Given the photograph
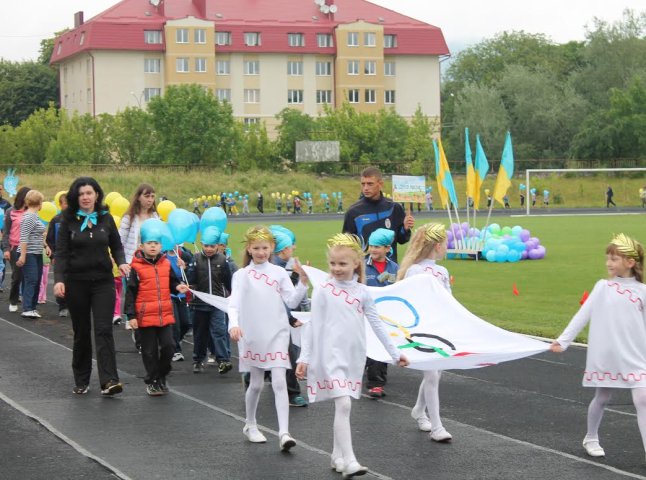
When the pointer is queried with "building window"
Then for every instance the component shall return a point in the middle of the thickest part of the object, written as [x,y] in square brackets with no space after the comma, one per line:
[353,39]
[369,39]
[152,65]
[82,39]
[252,39]
[152,36]
[389,96]
[370,96]
[294,68]
[88,67]
[200,65]
[353,67]
[323,69]
[89,95]
[294,96]
[296,39]
[181,65]
[181,35]
[389,69]
[150,93]
[353,95]
[390,41]
[252,67]
[370,67]
[324,40]
[223,38]
[60,47]
[223,94]
[223,67]
[249,121]
[251,95]
[200,35]
[324,96]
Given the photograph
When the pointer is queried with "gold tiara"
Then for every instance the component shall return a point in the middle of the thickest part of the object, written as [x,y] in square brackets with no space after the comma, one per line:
[434,232]
[627,246]
[346,240]
[258,234]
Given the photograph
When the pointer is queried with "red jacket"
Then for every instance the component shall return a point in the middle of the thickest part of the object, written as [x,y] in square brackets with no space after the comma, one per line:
[148,292]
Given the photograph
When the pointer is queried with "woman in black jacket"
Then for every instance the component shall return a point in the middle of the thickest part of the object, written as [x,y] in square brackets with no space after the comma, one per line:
[87,238]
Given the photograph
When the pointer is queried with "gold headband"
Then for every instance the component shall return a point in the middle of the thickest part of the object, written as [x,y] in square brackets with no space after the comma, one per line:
[346,240]
[258,234]
[434,232]
[627,246]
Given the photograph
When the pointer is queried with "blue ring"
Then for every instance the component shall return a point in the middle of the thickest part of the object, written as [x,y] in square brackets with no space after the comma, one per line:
[407,304]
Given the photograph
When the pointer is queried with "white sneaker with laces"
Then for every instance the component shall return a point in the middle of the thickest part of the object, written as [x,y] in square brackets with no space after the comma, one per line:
[593,448]
[286,442]
[423,422]
[13,308]
[441,435]
[253,434]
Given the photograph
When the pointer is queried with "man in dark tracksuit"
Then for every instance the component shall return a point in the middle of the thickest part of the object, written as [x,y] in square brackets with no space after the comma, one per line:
[375,211]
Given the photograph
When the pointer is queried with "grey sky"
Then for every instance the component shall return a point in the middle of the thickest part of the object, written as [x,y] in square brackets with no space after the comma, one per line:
[24,23]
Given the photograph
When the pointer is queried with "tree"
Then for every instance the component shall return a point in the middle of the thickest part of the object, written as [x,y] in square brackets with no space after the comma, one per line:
[131,136]
[418,149]
[47,47]
[294,126]
[8,147]
[24,88]
[81,140]
[34,135]
[255,149]
[192,126]
[392,132]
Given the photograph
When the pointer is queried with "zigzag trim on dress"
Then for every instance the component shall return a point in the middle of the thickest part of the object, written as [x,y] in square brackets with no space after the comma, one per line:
[614,377]
[334,383]
[348,299]
[434,273]
[637,301]
[259,276]
[270,356]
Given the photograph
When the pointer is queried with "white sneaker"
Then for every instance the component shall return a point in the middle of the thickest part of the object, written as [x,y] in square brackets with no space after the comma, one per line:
[337,464]
[178,357]
[36,314]
[13,308]
[286,442]
[593,448]
[253,434]
[423,422]
[30,314]
[354,469]
[441,435]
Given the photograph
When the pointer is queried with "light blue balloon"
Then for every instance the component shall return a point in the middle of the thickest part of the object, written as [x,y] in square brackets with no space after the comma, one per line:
[152,230]
[168,242]
[513,256]
[515,231]
[210,236]
[214,217]
[180,224]
[501,256]
[491,256]
[1,216]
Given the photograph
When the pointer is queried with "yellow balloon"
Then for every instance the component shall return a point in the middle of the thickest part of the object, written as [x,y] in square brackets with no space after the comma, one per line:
[57,197]
[110,197]
[117,220]
[209,198]
[119,206]
[47,211]
[190,200]
[203,197]
[164,208]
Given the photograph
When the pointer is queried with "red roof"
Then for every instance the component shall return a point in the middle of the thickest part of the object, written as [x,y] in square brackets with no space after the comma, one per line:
[121,26]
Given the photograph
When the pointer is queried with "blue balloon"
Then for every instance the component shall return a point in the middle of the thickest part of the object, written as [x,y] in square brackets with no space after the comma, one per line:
[1,216]
[168,241]
[491,256]
[211,236]
[214,217]
[180,224]
[154,230]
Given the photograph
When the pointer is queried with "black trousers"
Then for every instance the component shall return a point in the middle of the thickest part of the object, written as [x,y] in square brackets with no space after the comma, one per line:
[157,349]
[293,387]
[16,276]
[89,301]
[376,373]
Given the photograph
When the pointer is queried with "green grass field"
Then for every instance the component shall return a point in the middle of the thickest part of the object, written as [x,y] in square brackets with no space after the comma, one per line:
[550,289]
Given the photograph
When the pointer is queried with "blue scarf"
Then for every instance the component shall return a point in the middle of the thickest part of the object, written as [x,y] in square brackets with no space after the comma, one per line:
[89,217]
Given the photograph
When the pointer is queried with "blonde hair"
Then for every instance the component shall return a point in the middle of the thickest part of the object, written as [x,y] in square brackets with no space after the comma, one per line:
[352,243]
[34,198]
[424,240]
[259,233]
[627,247]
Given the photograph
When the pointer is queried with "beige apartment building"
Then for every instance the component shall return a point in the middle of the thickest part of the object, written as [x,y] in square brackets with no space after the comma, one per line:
[259,55]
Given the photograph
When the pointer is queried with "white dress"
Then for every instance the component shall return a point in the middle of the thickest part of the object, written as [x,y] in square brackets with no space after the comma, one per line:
[429,267]
[334,341]
[259,293]
[617,338]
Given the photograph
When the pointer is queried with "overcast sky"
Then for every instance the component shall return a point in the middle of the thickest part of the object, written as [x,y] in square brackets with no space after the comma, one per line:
[24,23]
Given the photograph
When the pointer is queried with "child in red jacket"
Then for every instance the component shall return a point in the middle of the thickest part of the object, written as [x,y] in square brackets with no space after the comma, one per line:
[149,306]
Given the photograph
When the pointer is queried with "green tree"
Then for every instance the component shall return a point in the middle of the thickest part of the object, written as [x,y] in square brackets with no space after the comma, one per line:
[295,126]
[34,135]
[392,132]
[8,147]
[192,126]
[418,149]
[255,149]
[81,140]
[24,88]
[356,132]
[132,136]
[47,47]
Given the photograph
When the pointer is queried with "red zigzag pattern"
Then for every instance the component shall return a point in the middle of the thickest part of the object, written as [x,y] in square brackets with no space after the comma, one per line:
[271,356]
[435,274]
[348,299]
[259,276]
[637,301]
[334,383]
[608,376]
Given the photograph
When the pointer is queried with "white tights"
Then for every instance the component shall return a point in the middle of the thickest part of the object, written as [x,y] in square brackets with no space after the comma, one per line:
[599,402]
[428,398]
[342,437]
[279,385]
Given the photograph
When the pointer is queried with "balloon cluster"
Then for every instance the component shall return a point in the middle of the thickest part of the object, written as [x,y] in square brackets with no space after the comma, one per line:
[511,244]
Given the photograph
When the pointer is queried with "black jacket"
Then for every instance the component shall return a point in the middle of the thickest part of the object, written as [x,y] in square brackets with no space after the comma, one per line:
[209,275]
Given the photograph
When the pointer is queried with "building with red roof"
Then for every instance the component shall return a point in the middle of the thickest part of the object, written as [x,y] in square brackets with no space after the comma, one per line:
[260,55]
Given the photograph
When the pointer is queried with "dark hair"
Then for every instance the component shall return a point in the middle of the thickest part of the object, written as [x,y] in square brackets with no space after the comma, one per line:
[372,172]
[73,197]
[135,207]
[19,201]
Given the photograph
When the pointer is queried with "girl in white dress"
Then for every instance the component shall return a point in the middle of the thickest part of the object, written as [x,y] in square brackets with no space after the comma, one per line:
[616,355]
[333,350]
[427,246]
[258,321]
